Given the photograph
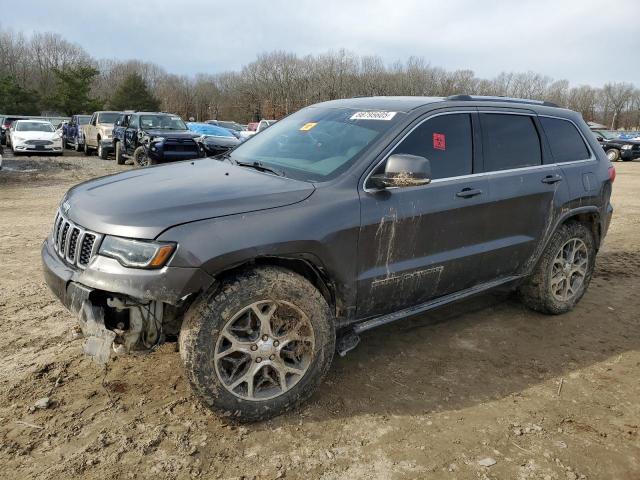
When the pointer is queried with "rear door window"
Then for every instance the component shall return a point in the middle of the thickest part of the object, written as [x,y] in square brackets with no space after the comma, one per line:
[567,145]
[446,141]
[509,141]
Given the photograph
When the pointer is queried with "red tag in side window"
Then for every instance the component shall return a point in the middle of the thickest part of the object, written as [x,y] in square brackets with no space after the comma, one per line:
[439,141]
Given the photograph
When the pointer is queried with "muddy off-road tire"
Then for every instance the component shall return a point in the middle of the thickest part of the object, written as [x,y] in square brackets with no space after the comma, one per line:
[563,272]
[259,345]
[119,156]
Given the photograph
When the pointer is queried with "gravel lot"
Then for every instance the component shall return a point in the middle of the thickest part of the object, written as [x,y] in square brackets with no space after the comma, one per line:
[430,397]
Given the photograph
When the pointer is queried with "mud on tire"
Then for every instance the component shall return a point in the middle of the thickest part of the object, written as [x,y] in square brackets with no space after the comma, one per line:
[540,292]
[295,310]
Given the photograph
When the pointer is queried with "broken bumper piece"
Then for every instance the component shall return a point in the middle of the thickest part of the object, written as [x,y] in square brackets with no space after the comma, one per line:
[98,338]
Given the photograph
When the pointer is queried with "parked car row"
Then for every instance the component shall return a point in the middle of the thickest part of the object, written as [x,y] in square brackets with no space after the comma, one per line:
[150,138]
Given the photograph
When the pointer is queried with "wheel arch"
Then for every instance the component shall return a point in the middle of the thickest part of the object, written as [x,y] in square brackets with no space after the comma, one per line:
[304,265]
[588,216]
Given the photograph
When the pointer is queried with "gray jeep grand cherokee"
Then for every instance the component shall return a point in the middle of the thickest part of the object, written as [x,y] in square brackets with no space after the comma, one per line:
[346,215]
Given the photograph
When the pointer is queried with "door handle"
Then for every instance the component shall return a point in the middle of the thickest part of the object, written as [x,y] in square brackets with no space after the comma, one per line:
[468,192]
[552,179]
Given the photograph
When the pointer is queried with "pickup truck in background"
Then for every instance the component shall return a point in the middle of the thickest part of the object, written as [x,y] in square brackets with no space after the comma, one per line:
[72,133]
[98,133]
[150,138]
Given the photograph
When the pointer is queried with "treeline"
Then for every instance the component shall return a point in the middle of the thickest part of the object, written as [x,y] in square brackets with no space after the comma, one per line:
[45,73]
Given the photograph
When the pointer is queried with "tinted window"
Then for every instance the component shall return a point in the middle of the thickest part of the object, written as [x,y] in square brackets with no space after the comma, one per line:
[446,141]
[565,141]
[509,141]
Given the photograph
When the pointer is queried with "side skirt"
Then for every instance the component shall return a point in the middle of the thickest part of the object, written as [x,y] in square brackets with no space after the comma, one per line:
[431,305]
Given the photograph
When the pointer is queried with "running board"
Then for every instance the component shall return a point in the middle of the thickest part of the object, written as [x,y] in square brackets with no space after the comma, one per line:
[425,307]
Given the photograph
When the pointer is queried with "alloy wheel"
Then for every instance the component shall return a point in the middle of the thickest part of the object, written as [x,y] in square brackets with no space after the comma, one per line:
[569,269]
[264,350]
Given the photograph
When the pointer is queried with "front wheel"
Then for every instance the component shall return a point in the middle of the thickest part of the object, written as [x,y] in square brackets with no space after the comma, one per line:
[613,155]
[563,272]
[87,151]
[259,345]
[141,158]
[102,153]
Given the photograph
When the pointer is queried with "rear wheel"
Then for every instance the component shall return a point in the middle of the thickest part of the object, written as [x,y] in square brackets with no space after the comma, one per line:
[259,345]
[563,272]
[613,154]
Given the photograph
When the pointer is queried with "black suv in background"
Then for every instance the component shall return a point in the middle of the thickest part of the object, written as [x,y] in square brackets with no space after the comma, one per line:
[617,148]
[150,138]
[341,217]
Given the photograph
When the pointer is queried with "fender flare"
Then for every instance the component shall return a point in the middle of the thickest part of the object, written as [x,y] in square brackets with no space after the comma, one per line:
[566,215]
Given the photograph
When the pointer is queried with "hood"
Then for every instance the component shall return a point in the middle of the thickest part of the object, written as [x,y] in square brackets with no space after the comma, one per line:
[170,133]
[144,202]
[30,135]
[221,141]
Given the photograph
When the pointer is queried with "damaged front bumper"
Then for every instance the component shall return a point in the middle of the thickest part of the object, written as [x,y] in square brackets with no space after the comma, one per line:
[72,285]
[104,290]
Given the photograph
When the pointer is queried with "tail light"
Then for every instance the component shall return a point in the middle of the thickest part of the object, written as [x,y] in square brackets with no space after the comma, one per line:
[612,173]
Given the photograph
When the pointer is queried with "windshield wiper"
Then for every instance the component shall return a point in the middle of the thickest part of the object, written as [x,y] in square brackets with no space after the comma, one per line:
[260,167]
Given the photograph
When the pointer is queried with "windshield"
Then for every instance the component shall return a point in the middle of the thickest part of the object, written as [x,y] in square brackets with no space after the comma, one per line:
[84,119]
[607,135]
[231,125]
[162,122]
[316,143]
[23,126]
[108,117]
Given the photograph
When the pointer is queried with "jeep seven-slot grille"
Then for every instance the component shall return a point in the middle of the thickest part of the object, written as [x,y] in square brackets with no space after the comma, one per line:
[73,243]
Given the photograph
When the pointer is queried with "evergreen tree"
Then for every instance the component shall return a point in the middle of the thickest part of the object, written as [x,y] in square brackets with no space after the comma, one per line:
[133,94]
[16,100]
[72,93]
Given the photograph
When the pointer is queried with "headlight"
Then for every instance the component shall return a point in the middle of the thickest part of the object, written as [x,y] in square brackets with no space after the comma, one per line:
[16,138]
[137,253]
[627,147]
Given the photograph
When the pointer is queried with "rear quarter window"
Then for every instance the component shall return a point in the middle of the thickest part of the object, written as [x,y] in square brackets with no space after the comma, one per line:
[509,141]
[567,145]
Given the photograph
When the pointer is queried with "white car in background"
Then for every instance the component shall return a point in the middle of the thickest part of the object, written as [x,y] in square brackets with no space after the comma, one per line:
[35,136]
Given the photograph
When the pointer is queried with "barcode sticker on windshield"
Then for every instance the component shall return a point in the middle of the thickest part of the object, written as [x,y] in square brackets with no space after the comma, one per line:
[373,115]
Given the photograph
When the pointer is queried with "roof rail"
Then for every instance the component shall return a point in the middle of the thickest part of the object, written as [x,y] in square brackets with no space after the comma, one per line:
[469,98]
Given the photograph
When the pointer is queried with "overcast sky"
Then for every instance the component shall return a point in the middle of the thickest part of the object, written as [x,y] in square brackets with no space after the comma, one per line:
[583,41]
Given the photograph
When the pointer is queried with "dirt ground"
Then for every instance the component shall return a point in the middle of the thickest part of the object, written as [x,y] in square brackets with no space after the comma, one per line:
[430,397]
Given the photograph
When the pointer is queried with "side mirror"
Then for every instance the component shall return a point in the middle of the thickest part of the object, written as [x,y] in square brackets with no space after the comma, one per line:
[403,170]
[599,138]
